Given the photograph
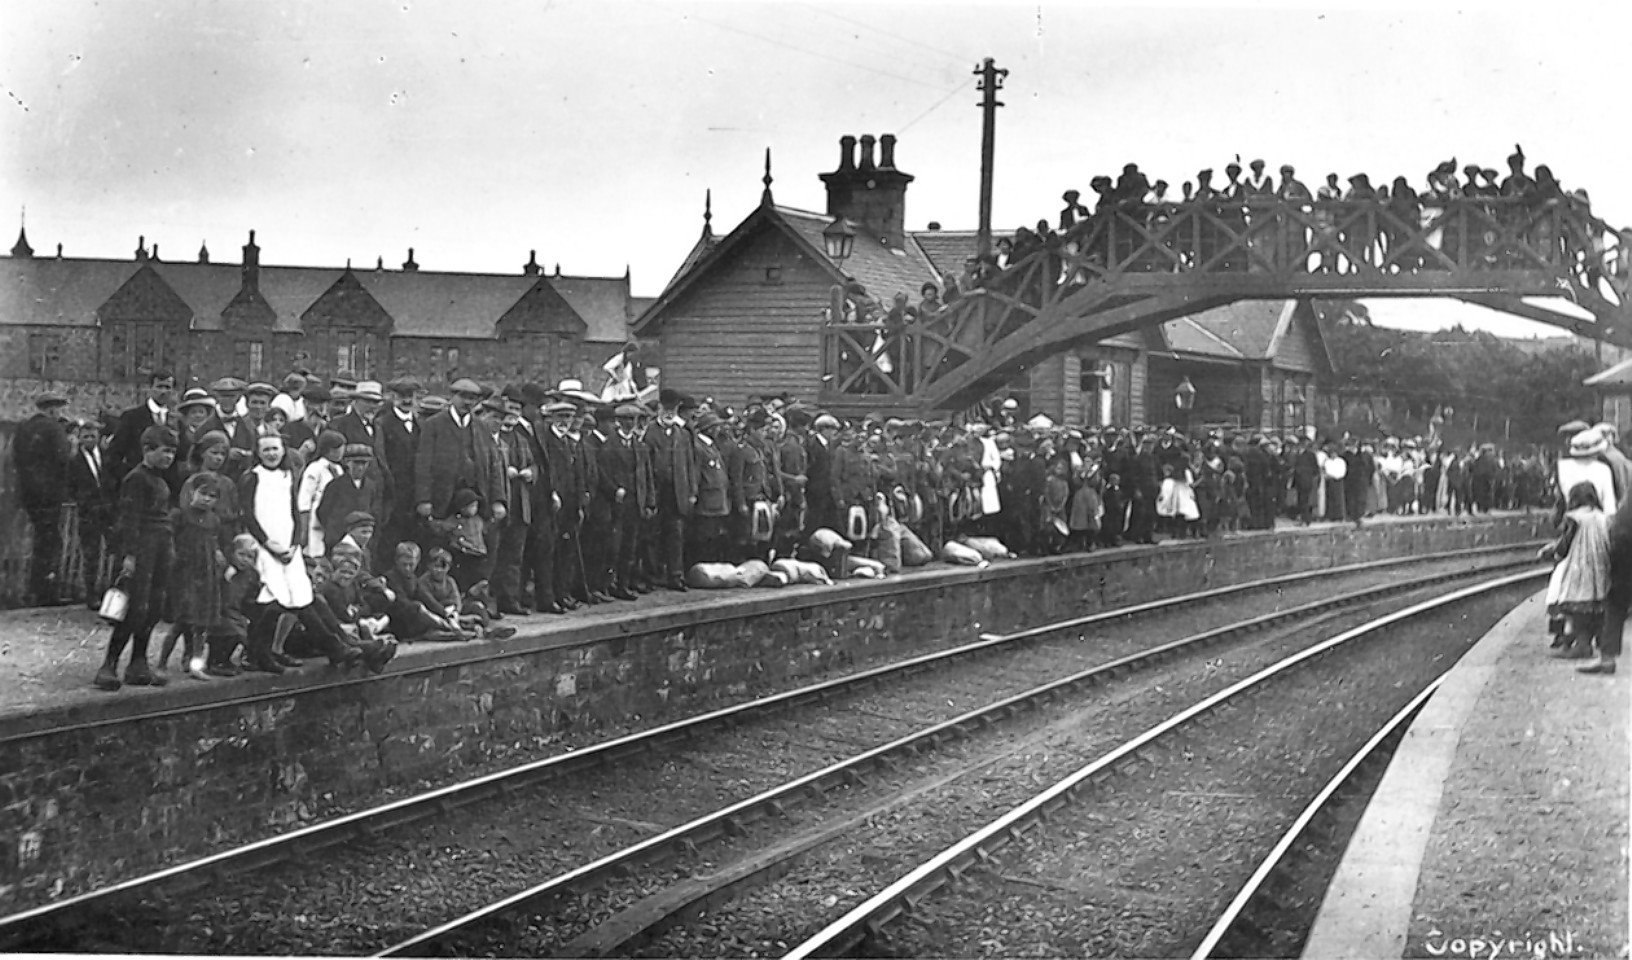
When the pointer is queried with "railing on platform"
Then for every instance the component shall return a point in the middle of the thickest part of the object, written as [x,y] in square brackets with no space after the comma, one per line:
[1214,251]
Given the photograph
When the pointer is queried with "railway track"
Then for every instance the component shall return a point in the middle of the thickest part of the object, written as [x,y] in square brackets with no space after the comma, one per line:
[1095,862]
[182,894]
[1272,913]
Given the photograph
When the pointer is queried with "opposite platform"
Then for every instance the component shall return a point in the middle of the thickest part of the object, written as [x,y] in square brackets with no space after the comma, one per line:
[1500,828]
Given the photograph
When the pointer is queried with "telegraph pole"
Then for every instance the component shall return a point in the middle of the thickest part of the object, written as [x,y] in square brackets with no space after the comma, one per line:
[991,81]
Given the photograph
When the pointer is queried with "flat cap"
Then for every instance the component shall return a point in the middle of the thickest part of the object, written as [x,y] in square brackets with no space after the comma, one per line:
[228,385]
[369,390]
[260,389]
[627,411]
[357,451]
[46,401]
[359,518]
[468,387]
[405,386]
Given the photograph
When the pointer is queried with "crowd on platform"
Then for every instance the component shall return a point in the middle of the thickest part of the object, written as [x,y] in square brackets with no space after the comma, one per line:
[339,520]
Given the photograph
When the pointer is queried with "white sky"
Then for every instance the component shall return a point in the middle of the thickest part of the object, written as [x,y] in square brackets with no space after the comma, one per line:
[589,130]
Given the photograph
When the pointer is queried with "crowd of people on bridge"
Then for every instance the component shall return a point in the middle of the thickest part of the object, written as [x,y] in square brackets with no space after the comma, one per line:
[1408,233]
[270,526]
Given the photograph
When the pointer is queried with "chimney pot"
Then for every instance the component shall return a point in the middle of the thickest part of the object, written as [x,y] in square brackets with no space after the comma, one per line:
[59,251]
[886,152]
[866,162]
[141,247]
[847,153]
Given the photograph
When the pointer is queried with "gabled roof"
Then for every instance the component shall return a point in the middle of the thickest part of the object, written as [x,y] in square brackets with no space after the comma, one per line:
[41,292]
[882,269]
[1244,330]
[445,304]
[604,303]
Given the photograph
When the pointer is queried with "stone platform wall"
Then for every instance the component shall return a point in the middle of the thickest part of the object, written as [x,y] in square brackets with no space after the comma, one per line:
[89,796]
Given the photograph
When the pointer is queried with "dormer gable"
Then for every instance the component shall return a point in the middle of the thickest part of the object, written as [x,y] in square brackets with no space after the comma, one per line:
[145,297]
[541,311]
[347,303]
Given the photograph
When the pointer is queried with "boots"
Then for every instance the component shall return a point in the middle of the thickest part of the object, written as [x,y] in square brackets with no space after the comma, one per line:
[107,678]
[138,674]
[1604,665]
[1573,648]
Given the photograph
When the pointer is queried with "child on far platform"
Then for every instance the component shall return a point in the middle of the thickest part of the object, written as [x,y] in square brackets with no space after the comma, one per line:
[1580,580]
[143,534]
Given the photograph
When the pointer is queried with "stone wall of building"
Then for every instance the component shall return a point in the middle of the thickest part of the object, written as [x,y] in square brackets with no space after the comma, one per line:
[89,796]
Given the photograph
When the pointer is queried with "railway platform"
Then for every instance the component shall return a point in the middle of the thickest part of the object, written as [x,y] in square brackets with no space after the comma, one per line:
[97,787]
[1500,827]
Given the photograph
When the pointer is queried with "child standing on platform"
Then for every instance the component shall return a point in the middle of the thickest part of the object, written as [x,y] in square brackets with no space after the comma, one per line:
[1580,581]
[201,545]
[143,538]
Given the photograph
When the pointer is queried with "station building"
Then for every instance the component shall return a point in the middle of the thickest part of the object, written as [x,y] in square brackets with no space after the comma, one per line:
[94,328]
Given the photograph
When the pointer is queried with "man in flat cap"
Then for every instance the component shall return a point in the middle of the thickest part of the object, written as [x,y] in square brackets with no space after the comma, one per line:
[672,450]
[291,397]
[240,432]
[41,453]
[455,454]
[358,490]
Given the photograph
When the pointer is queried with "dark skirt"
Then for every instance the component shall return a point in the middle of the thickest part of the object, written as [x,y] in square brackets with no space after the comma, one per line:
[195,583]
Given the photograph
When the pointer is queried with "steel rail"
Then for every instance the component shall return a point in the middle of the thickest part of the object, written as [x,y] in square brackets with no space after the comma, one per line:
[979,847]
[1277,855]
[371,822]
[776,800]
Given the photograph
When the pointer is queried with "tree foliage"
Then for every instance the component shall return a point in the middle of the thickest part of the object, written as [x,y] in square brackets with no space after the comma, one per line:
[1482,386]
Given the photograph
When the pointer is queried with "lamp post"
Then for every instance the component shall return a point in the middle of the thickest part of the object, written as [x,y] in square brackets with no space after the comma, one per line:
[1184,398]
[838,241]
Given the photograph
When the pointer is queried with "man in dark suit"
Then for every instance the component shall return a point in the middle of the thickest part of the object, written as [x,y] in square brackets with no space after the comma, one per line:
[457,454]
[92,488]
[599,544]
[398,442]
[570,481]
[509,539]
[538,559]
[1306,478]
[671,448]
[821,489]
[41,453]
[125,450]
[626,485]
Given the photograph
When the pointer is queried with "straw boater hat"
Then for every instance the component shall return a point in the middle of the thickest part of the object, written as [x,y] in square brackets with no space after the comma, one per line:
[1588,443]
[573,389]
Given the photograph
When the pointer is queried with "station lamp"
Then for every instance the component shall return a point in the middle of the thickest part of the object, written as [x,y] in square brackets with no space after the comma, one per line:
[839,238]
[1184,395]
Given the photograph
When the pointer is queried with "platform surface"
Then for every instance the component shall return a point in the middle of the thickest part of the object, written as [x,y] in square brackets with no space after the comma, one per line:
[1500,828]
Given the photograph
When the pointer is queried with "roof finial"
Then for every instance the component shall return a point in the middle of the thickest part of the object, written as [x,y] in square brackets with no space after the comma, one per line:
[708,214]
[765,198]
[21,247]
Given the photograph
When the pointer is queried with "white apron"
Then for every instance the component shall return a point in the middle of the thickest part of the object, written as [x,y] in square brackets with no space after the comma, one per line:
[285,584]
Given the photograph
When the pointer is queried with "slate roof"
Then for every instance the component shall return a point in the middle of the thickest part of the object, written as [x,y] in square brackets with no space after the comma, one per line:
[883,270]
[946,250]
[1244,330]
[67,292]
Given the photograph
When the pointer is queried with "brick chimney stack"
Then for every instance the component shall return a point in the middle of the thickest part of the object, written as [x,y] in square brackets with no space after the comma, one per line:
[870,194]
[252,265]
[408,265]
[530,268]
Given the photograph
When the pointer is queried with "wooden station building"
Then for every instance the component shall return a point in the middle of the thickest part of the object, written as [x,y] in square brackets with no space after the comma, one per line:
[744,315]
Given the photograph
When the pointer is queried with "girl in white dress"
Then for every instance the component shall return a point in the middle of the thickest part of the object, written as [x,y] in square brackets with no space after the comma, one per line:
[268,499]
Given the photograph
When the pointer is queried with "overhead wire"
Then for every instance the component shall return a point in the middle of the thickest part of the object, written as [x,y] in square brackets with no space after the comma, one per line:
[813,53]
[958,57]
[964,85]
